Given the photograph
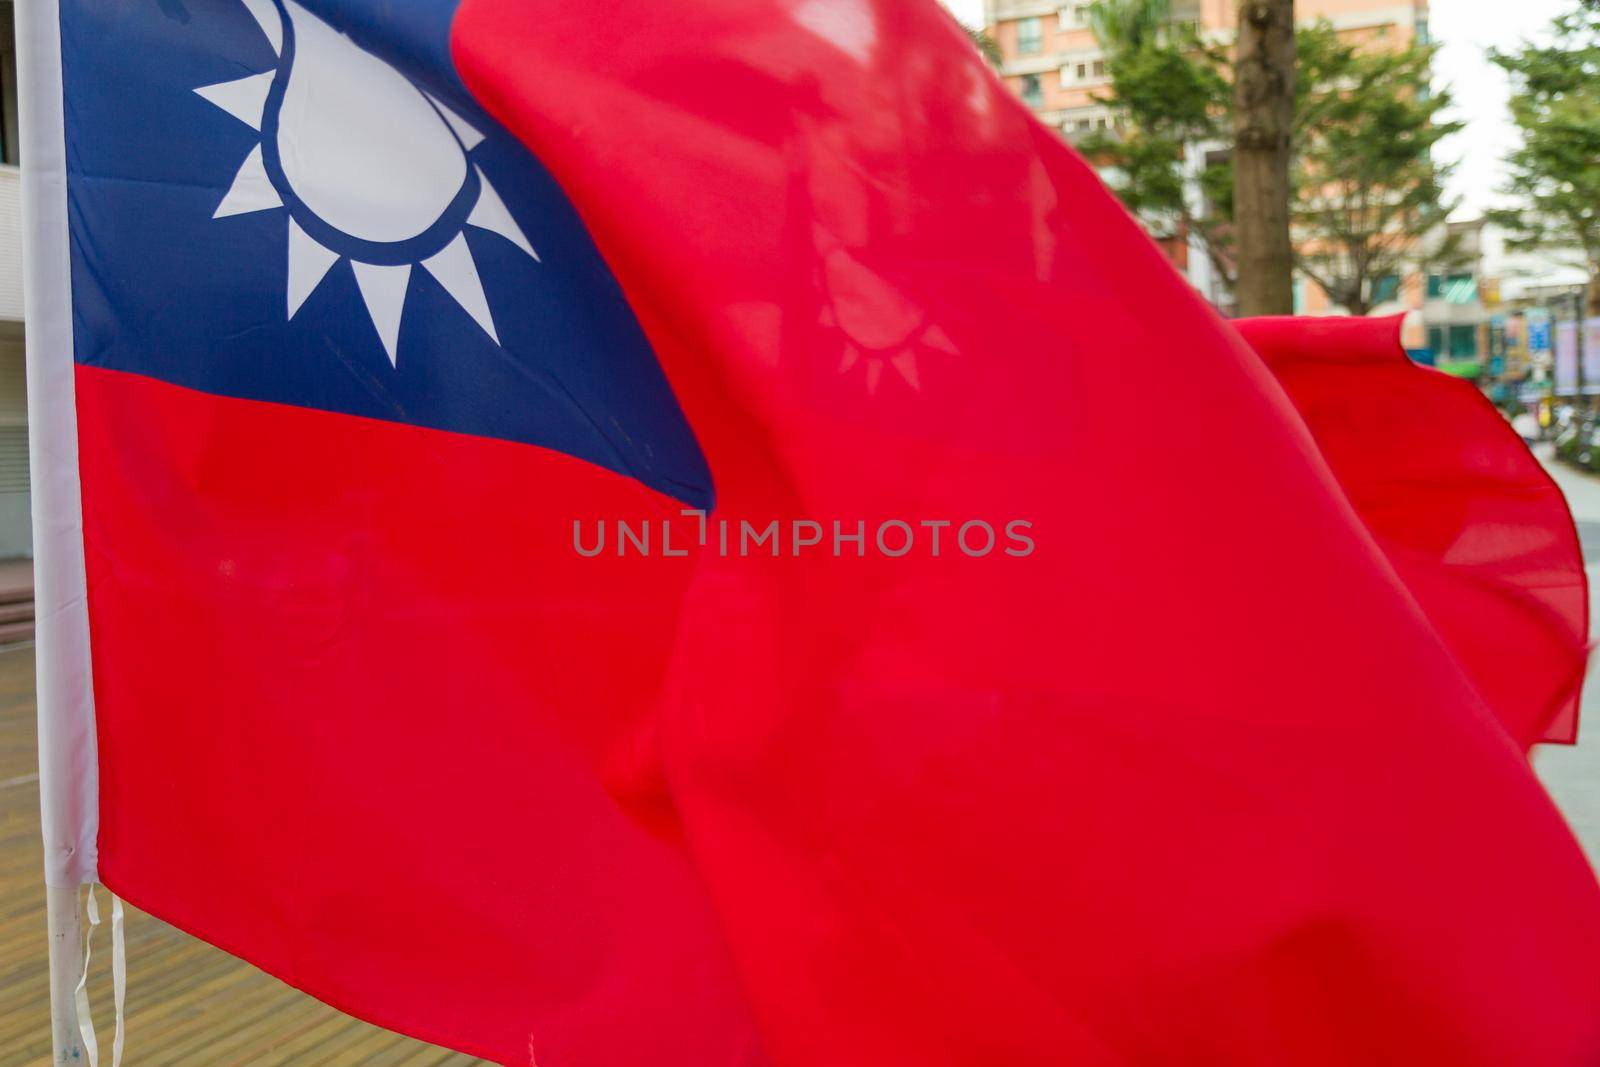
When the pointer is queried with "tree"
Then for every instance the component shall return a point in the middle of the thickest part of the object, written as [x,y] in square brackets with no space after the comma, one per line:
[1555,171]
[1367,190]
[1263,122]
[1170,95]
[1126,25]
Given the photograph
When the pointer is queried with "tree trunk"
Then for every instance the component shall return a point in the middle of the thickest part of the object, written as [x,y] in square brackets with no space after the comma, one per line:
[1263,96]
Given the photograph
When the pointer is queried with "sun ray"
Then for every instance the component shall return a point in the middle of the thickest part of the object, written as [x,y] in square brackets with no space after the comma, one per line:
[251,189]
[936,338]
[874,373]
[265,13]
[905,364]
[309,263]
[244,98]
[470,136]
[490,213]
[383,290]
[456,271]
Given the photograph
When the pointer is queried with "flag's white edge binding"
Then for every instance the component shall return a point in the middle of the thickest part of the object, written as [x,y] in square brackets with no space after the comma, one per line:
[69,769]
[68,760]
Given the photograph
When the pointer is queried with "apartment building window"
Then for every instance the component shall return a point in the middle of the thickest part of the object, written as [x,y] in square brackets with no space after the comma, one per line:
[1454,288]
[8,85]
[1385,289]
[1075,17]
[1032,90]
[1436,341]
[1463,341]
[1030,37]
[1087,69]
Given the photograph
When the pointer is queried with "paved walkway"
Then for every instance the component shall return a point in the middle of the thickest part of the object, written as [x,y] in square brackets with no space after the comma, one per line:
[188,1003]
[1573,774]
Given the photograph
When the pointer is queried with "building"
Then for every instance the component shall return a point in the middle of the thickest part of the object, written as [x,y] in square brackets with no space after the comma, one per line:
[1455,317]
[16,534]
[1527,295]
[1053,62]
[1051,59]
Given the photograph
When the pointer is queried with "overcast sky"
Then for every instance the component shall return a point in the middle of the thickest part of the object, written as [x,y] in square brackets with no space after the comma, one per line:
[1464,30]
[968,11]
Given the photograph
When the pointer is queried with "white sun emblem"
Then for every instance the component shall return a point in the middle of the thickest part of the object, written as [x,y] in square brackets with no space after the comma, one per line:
[370,168]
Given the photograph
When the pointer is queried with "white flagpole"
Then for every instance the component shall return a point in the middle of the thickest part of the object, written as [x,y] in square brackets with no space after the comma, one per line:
[68,760]
[66,958]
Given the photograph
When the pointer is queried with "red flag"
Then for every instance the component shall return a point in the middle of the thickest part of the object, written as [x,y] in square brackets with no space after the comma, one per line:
[1155,758]
[1473,525]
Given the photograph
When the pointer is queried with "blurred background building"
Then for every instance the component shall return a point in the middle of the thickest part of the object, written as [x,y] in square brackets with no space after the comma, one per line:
[1473,308]
[1052,60]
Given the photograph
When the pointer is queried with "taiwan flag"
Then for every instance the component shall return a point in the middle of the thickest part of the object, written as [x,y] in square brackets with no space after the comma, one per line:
[655,532]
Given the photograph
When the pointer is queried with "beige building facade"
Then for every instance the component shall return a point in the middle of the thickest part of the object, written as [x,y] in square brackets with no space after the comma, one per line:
[1053,62]
[1051,59]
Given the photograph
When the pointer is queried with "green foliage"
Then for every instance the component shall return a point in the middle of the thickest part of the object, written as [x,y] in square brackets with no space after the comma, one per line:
[1366,122]
[1555,171]
[1169,93]
[1122,25]
[1367,188]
